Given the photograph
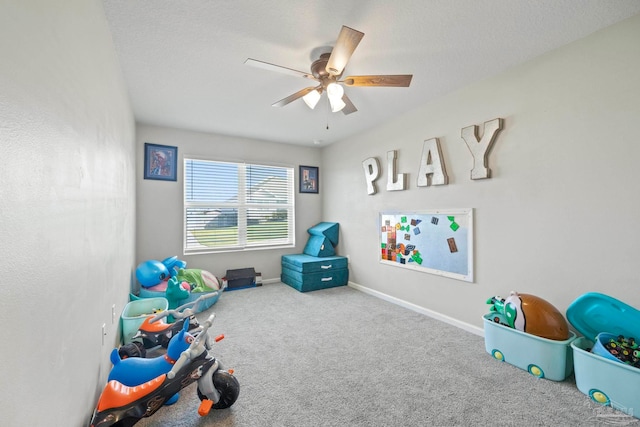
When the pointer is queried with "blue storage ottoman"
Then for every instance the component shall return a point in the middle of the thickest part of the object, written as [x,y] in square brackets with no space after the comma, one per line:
[308,273]
[330,230]
[323,238]
[319,246]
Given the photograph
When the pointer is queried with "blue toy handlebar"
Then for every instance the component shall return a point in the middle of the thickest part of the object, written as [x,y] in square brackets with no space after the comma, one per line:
[196,348]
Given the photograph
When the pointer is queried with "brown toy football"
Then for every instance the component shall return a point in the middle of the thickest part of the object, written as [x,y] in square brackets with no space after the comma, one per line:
[535,316]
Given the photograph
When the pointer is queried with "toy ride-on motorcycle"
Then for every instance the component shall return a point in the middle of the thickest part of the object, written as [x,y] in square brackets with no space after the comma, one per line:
[124,405]
[153,333]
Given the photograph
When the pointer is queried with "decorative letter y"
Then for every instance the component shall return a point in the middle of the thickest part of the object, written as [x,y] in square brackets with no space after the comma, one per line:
[480,149]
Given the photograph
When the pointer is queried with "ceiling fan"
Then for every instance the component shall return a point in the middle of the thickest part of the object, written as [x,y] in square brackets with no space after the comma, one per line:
[327,71]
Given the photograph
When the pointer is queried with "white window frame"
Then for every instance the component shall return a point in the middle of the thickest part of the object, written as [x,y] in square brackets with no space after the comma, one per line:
[242,205]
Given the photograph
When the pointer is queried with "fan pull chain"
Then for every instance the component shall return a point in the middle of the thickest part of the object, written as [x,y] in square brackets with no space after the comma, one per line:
[328,112]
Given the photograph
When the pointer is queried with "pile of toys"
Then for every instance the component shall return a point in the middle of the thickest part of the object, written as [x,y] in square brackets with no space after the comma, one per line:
[530,314]
[624,349]
[531,334]
[139,385]
[172,280]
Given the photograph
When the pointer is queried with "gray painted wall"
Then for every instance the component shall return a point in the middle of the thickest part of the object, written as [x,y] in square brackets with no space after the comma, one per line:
[67,198]
[159,205]
[558,218]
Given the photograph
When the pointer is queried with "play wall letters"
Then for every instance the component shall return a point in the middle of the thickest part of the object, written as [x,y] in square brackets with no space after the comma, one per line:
[432,168]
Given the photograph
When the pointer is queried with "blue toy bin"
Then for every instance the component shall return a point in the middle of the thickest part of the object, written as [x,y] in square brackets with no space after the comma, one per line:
[599,374]
[136,311]
[599,346]
[541,357]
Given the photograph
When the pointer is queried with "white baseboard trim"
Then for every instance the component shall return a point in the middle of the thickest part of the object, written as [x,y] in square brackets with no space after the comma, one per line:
[265,281]
[438,316]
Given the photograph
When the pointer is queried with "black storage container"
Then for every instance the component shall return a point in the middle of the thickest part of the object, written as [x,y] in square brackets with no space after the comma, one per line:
[241,278]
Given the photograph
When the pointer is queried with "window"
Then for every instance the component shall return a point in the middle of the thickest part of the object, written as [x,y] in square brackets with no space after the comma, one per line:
[237,206]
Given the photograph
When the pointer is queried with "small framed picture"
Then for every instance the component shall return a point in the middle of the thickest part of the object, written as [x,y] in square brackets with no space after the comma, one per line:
[160,162]
[309,179]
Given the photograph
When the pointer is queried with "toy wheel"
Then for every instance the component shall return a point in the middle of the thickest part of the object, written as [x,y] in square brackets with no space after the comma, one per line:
[536,371]
[497,354]
[228,387]
[133,349]
[599,397]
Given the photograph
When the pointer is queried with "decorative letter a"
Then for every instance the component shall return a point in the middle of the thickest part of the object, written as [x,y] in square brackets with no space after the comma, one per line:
[432,171]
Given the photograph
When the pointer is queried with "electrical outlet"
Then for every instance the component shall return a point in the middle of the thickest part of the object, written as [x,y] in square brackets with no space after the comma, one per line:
[348,259]
[104,332]
[113,314]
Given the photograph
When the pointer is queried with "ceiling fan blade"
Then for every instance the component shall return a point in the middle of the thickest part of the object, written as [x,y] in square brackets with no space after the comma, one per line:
[349,107]
[291,98]
[399,80]
[347,42]
[278,68]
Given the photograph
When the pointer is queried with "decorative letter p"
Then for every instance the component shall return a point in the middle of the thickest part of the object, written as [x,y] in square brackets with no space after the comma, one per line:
[371,173]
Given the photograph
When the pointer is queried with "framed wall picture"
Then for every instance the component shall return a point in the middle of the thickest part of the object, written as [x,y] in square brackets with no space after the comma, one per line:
[160,162]
[309,179]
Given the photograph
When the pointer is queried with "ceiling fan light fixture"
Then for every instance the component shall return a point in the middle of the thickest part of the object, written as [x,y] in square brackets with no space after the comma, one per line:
[312,98]
[336,104]
[335,93]
[327,71]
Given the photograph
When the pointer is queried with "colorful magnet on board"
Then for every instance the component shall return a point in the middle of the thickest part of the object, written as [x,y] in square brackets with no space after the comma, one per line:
[452,244]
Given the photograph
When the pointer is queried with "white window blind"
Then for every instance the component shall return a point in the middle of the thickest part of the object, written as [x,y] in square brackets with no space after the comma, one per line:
[237,206]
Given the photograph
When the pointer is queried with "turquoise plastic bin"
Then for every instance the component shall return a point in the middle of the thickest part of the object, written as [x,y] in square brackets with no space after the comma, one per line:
[606,381]
[135,312]
[603,378]
[541,357]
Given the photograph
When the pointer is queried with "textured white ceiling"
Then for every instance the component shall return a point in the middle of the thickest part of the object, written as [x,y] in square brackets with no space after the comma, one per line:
[183,60]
